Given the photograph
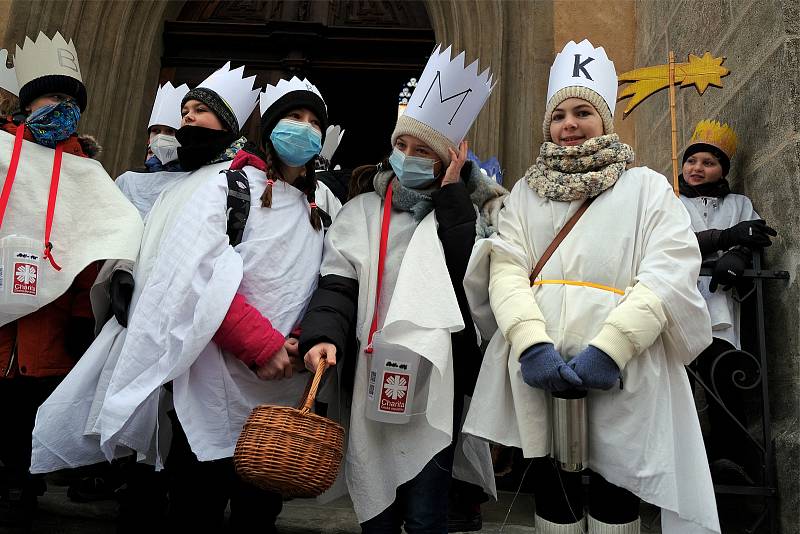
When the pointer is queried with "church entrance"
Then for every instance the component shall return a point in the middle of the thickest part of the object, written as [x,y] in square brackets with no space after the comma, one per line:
[359,55]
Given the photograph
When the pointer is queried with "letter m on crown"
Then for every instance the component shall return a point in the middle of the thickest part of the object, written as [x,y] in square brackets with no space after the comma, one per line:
[442,99]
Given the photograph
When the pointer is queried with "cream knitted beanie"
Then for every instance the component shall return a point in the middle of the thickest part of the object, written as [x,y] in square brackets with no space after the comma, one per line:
[583,93]
[438,142]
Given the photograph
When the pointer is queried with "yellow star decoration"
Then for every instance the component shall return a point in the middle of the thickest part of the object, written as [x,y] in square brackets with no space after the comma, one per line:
[699,71]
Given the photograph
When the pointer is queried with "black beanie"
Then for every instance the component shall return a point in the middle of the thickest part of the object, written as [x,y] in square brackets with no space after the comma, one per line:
[288,102]
[52,83]
[217,104]
[723,158]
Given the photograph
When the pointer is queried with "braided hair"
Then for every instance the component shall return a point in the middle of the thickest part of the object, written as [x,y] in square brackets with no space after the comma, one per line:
[306,182]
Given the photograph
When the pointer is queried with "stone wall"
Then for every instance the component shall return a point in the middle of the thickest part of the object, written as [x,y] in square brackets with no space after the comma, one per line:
[514,38]
[607,23]
[760,100]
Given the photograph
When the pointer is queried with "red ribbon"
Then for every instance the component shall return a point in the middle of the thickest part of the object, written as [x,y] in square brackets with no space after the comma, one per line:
[12,171]
[387,219]
[51,200]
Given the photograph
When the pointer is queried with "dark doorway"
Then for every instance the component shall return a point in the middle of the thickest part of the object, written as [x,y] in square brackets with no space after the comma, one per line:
[358,53]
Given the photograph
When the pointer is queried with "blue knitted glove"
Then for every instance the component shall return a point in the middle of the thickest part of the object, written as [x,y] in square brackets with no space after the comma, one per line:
[595,368]
[542,367]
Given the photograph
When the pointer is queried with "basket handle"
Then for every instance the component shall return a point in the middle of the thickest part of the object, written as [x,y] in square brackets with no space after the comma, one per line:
[314,385]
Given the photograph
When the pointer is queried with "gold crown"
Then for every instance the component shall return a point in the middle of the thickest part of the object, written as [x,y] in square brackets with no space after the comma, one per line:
[713,133]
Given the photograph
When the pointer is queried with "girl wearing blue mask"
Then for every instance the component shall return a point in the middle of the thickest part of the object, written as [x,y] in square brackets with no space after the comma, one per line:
[243,277]
[394,261]
[293,128]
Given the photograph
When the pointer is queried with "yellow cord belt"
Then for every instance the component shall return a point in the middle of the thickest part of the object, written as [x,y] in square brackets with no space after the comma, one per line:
[584,284]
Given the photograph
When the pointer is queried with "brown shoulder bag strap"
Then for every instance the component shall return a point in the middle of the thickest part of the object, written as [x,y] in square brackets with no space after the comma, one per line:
[559,238]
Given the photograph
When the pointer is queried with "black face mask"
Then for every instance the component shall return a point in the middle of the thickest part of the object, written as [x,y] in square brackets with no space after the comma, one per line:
[200,146]
[718,189]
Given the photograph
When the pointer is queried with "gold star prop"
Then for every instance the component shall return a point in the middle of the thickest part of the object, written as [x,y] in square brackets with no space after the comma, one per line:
[698,71]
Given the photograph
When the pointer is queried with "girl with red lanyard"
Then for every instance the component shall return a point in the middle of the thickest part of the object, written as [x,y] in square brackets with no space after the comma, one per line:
[391,286]
[66,205]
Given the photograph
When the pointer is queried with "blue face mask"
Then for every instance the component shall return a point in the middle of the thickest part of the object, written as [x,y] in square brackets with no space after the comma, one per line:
[54,122]
[412,171]
[295,142]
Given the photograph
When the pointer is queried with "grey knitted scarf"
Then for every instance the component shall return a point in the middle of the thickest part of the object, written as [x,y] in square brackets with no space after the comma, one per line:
[569,173]
[486,195]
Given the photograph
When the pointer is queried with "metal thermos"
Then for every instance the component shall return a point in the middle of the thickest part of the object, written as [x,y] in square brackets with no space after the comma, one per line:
[570,430]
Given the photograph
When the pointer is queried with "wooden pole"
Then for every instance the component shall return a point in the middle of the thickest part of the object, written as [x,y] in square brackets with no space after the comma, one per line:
[674,123]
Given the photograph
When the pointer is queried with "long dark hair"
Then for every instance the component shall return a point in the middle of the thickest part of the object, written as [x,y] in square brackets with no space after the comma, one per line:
[361,181]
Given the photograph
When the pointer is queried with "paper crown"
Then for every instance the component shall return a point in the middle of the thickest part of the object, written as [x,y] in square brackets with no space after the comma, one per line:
[583,65]
[8,78]
[448,96]
[46,57]
[167,106]
[333,137]
[235,90]
[713,133]
[272,93]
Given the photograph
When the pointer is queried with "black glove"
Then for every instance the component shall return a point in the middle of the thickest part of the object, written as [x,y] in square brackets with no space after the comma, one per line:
[728,269]
[755,234]
[121,292]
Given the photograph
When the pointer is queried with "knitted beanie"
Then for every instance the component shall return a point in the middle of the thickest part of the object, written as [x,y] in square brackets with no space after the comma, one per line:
[217,104]
[723,158]
[286,103]
[52,83]
[583,93]
[438,142]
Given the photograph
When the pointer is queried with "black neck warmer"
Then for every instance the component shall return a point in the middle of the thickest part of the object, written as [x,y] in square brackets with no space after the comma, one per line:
[718,189]
[200,145]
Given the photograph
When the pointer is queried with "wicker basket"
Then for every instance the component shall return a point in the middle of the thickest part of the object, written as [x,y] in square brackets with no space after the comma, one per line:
[290,451]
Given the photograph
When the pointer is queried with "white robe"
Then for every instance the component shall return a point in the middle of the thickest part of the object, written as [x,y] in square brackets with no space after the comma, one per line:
[143,188]
[186,278]
[92,220]
[720,213]
[326,200]
[418,311]
[645,438]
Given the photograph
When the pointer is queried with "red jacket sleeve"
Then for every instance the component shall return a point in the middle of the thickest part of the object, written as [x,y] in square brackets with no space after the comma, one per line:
[81,305]
[247,334]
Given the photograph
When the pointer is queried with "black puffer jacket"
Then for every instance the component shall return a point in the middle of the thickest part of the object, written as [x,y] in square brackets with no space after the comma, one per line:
[332,311]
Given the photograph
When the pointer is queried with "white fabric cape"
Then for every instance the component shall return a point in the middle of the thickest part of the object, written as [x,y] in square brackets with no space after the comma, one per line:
[720,213]
[418,311]
[186,277]
[92,220]
[645,438]
[143,188]
[326,200]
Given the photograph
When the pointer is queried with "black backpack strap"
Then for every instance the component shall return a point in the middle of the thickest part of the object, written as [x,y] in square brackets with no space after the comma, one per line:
[238,204]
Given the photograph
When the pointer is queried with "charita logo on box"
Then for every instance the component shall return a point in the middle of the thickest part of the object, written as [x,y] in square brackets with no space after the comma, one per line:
[394,392]
[25,278]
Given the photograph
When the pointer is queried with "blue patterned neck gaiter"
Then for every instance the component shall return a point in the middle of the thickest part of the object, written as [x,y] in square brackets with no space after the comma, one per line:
[53,123]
